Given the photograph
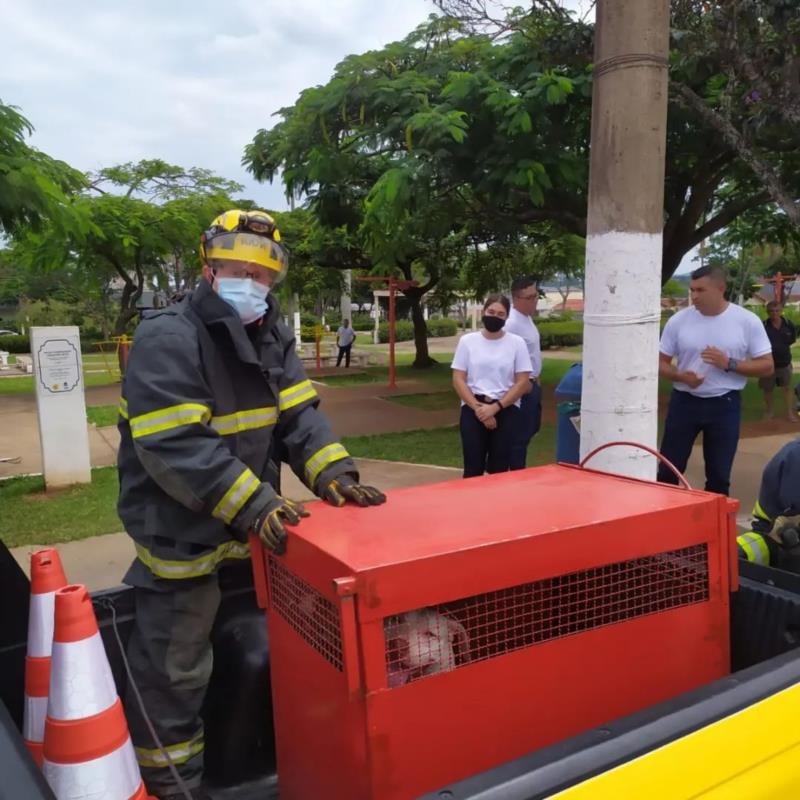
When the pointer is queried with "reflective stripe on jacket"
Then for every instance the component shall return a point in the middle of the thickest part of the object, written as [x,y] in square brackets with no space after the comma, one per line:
[209,411]
[754,547]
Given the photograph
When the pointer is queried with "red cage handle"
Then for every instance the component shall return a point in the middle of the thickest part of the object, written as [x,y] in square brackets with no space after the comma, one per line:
[678,474]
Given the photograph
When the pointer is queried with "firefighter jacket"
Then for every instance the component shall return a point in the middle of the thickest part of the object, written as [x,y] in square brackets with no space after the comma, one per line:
[209,410]
[778,501]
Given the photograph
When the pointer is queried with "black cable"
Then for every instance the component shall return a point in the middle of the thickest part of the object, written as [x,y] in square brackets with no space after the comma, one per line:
[107,603]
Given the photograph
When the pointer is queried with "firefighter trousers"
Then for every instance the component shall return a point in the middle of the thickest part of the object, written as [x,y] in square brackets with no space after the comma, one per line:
[171,657]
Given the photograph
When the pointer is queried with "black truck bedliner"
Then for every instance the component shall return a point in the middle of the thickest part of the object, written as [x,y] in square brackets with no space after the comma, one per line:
[240,746]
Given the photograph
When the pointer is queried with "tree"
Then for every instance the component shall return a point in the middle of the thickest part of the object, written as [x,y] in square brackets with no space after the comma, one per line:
[709,181]
[34,188]
[382,154]
[749,56]
[144,226]
[673,288]
[315,286]
[753,247]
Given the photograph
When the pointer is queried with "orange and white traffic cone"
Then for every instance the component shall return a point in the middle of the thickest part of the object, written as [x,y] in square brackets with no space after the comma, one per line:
[88,753]
[47,575]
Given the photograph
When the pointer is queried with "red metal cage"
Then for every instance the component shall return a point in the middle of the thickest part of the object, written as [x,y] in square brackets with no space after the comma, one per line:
[467,623]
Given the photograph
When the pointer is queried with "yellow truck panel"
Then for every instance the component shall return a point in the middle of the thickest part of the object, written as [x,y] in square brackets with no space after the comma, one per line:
[753,754]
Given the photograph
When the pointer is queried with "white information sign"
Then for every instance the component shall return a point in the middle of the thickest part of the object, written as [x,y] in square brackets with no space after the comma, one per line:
[61,405]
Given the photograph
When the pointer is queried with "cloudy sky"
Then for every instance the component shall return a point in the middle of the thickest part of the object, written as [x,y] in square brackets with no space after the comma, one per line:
[187,81]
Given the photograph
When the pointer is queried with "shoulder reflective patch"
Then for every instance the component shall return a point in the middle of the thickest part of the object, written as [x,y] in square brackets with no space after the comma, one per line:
[759,512]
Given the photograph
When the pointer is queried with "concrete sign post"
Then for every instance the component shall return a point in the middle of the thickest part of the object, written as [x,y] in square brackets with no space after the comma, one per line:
[61,406]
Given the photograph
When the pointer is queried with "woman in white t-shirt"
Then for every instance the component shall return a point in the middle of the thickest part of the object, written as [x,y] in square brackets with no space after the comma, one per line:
[491,371]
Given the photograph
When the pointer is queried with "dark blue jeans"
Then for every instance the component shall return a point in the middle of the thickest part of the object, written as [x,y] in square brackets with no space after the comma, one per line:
[485,450]
[344,351]
[530,420]
[717,418]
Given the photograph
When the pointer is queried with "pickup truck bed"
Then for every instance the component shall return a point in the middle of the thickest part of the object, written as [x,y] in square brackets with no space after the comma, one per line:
[240,748]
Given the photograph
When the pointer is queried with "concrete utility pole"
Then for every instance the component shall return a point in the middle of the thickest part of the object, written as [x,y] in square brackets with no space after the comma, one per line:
[624,231]
[347,292]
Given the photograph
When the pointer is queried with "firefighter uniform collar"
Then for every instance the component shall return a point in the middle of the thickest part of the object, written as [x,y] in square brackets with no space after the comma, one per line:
[216,313]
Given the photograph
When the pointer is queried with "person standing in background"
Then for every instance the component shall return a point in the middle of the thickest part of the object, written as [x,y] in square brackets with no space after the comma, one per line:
[491,371]
[524,296]
[782,335]
[718,346]
[345,337]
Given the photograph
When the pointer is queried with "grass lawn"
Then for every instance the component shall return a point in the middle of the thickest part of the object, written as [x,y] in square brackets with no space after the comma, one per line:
[102,416]
[440,446]
[32,516]
[24,384]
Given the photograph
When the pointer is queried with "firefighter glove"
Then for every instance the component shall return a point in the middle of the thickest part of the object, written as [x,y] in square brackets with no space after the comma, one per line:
[269,524]
[344,488]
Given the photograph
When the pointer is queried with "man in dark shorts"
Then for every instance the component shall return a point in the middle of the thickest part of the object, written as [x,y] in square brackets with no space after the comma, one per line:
[782,334]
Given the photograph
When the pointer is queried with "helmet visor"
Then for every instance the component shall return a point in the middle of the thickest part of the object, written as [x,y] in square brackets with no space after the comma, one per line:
[252,248]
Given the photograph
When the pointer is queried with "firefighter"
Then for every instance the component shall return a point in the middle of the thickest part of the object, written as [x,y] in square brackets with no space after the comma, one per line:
[214,398]
[774,539]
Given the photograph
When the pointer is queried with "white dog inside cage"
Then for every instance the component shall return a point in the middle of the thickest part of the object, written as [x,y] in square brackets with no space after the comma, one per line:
[422,643]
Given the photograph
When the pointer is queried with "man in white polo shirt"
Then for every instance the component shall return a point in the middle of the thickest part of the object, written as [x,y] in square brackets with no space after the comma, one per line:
[345,337]
[718,346]
[524,296]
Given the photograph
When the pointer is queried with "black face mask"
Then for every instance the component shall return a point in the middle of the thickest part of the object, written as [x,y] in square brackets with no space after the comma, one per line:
[492,324]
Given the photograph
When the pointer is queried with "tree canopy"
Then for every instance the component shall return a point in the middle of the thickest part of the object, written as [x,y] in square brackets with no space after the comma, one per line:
[144,226]
[472,130]
[33,186]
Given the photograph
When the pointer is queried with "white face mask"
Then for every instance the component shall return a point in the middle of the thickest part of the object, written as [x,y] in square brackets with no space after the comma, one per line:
[247,296]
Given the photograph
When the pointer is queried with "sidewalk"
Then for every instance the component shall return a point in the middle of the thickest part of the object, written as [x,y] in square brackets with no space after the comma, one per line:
[751,457]
[101,561]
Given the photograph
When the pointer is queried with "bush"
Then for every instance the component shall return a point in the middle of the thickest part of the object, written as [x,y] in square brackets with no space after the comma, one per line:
[15,344]
[361,324]
[22,344]
[560,334]
[442,327]
[561,316]
[404,331]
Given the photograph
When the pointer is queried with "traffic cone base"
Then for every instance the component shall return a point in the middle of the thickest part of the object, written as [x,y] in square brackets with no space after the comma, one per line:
[47,576]
[88,754]
[114,776]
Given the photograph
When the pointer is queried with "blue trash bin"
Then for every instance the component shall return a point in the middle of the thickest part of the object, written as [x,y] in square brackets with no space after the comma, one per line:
[568,405]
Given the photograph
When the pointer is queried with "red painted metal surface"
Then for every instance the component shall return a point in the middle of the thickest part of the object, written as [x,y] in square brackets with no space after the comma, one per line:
[467,623]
